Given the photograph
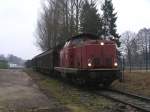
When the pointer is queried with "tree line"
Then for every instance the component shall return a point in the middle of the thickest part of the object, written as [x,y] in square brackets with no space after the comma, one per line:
[136,48]
[12,59]
[61,19]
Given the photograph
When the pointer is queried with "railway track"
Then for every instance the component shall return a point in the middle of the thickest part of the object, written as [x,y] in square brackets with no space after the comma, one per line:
[136,101]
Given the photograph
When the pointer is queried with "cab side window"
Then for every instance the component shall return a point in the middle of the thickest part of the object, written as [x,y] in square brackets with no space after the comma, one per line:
[77,42]
[67,44]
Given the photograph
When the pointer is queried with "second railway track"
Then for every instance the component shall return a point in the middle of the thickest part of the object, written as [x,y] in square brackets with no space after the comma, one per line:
[136,101]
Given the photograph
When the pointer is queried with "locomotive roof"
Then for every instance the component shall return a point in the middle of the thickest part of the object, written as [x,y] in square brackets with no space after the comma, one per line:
[83,35]
[80,36]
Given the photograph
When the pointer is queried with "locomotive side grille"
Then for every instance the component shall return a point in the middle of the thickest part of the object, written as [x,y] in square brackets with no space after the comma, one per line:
[96,61]
[108,61]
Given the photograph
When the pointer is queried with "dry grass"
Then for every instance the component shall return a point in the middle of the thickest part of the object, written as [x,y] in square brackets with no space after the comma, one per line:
[73,98]
[136,81]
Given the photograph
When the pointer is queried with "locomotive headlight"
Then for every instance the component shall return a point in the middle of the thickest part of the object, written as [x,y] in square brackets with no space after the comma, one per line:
[115,64]
[102,43]
[89,64]
[113,37]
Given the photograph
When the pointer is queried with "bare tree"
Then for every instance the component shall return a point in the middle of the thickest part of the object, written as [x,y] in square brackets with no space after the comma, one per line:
[127,37]
[53,24]
[137,48]
[58,21]
[143,41]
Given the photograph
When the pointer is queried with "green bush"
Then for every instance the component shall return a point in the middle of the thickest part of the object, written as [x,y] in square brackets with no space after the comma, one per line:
[3,64]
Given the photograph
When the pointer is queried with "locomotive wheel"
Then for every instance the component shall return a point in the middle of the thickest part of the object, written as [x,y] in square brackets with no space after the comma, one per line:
[69,78]
[78,81]
[92,84]
[106,84]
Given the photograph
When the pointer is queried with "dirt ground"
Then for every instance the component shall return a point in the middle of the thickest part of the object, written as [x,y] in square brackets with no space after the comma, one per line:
[18,93]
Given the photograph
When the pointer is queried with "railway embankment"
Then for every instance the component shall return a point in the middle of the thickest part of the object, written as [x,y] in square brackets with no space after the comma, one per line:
[137,82]
[76,99]
[69,96]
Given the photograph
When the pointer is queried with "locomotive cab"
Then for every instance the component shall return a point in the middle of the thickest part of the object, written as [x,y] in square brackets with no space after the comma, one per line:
[90,59]
[89,53]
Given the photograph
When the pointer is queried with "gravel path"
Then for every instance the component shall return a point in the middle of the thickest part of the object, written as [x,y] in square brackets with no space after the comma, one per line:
[18,93]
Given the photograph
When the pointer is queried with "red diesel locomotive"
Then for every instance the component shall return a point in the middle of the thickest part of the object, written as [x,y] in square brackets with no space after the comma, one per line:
[85,59]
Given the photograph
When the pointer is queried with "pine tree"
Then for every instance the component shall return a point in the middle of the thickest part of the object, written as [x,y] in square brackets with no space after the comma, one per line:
[109,21]
[89,18]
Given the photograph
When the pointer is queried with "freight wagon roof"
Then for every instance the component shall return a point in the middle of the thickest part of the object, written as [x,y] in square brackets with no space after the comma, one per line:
[44,53]
[58,47]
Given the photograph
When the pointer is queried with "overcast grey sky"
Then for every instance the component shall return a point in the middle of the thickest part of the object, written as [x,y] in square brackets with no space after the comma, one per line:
[17,27]
[18,22]
[132,14]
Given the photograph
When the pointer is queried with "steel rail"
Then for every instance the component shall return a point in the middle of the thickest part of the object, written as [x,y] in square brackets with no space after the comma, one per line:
[136,101]
[131,94]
